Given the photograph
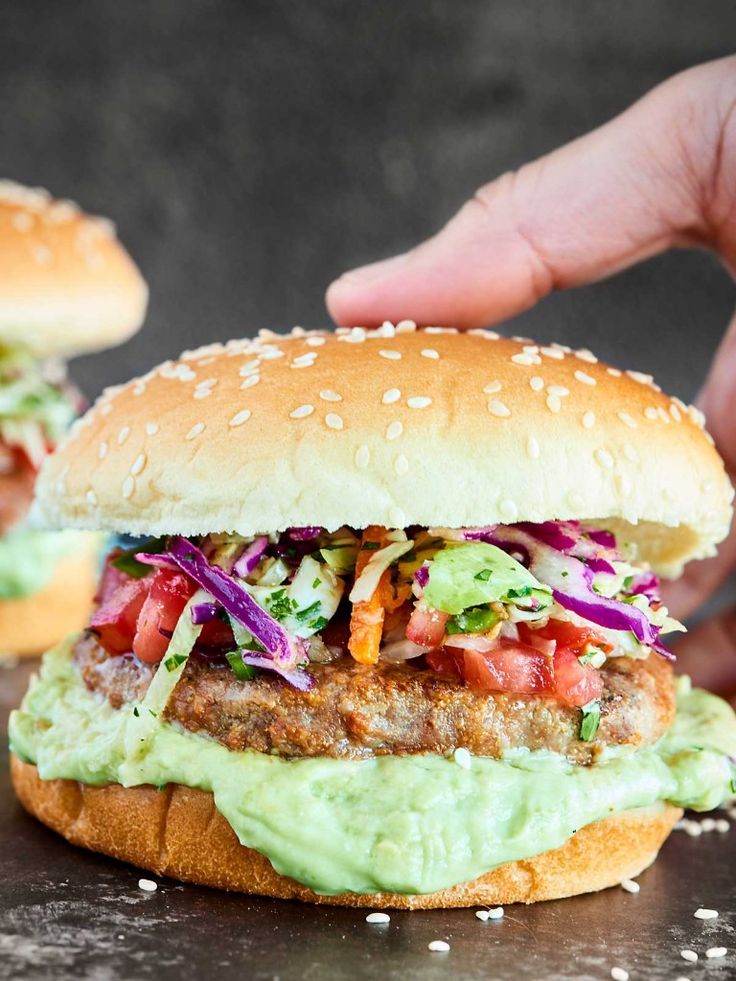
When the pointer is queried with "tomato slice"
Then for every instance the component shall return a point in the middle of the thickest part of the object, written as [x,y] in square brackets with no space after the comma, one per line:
[115,619]
[426,627]
[565,634]
[167,597]
[575,683]
[509,667]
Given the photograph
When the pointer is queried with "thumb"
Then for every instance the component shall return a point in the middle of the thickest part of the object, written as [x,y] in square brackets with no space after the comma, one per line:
[648,180]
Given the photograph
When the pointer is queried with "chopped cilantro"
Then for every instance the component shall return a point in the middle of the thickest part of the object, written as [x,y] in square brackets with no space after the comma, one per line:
[590,721]
[484,575]
[519,593]
[136,713]
[308,611]
[280,605]
[126,561]
[318,624]
[173,662]
[370,546]
[154,714]
[242,671]
[317,582]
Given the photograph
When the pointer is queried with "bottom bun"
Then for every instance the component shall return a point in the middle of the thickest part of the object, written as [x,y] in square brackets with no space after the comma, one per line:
[179,832]
[32,624]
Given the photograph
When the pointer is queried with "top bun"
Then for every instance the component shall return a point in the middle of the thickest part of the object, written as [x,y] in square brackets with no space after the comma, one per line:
[396,427]
[67,286]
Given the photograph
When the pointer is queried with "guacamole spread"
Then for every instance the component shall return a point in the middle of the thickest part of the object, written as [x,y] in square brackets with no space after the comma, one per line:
[410,824]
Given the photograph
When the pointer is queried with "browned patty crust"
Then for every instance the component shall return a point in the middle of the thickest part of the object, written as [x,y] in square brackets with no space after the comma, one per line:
[356,711]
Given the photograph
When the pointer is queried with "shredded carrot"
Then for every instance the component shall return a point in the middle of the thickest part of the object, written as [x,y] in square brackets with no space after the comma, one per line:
[366,619]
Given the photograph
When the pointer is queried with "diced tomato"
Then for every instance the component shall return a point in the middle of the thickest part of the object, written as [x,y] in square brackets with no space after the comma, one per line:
[565,634]
[509,667]
[161,609]
[216,635]
[426,627]
[111,579]
[446,660]
[575,683]
[114,621]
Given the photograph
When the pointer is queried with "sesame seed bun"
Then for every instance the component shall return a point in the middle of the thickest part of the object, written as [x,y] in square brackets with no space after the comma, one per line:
[32,624]
[179,832]
[393,427]
[67,286]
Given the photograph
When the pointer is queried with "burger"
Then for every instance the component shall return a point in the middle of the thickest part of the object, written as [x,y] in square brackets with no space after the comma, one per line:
[393,634]
[66,287]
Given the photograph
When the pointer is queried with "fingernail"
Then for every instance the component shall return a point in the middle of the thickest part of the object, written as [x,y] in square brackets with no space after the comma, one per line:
[375,270]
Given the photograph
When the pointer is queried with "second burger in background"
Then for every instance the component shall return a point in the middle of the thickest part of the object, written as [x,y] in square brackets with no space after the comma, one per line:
[67,287]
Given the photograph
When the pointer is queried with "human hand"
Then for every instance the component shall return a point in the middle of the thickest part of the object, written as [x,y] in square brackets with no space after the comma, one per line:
[662,175]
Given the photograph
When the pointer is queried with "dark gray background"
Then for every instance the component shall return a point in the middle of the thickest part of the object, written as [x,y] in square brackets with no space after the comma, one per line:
[249,152]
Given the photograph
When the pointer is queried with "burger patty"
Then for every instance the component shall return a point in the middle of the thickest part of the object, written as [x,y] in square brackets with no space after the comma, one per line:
[355,711]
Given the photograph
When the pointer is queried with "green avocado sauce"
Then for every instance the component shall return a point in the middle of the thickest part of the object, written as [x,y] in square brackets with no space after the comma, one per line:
[410,824]
[28,558]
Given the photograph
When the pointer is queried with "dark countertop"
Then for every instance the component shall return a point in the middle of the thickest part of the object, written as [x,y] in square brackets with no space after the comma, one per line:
[65,913]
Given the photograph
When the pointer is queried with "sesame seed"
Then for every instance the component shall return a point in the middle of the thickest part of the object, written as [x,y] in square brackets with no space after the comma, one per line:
[333,420]
[712,952]
[196,430]
[128,487]
[630,453]
[463,758]
[722,826]
[208,382]
[589,420]
[639,376]
[536,383]
[390,355]
[692,828]
[41,254]
[482,914]
[394,430]
[614,372]
[558,390]
[91,497]
[418,402]
[22,221]
[138,464]
[401,465]
[675,413]
[390,396]
[304,360]
[689,955]
[271,353]
[629,885]
[708,824]
[585,378]
[139,388]
[102,451]
[328,395]
[202,393]
[553,403]
[315,341]
[500,409]
[532,447]
[619,974]
[496,913]
[524,359]
[585,355]
[429,352]
[147,885]
[302,411]
[378,918]
[151,428]
[123,435]
[240,417]
[492,387]
[604,458]
[627,420]
[249,367]
[553,352]
[406,327]
[362,457]
[703,913]
[397,517]
[106,409]
[438,946]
